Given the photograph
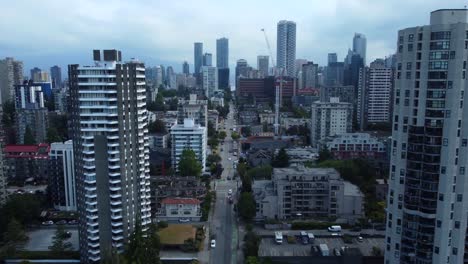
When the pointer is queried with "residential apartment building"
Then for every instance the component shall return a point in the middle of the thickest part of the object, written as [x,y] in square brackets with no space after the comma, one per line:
[298,192]
[356,145]
[56,76]
[188,135]
[3,177]
[374,94]
[263,65]
[329,119]
[11,74]
[62,187]
[110,140]
[210,80]
[309,76]
[286,47]
[428,198]
[31,112]
[26,163]
[194,109]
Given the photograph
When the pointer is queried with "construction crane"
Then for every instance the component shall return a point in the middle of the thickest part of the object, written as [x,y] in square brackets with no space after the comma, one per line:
[278,85]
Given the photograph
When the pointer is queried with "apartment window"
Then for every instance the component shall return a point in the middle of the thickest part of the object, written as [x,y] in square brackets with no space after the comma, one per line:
[406,102]
[464,65]
[407,93]
[399,66]
[449,85]
[463,74]
[445,141]
[466,36]
[459,197]
[454,251]
[419,46]
[438,223]
[443,169]
[408,65]
[436,250]
[439,45]
[398,75]
[410,37]
[398,221]
[416,84]
[440,35]
[418,75]
[400,48]
[462,170]
[457,224]
[410,47]
[405,120]
[420,36]
[418,65]
[441,196]
[464,142]
[447,113]
[418,56]
[408,75]
[400,39]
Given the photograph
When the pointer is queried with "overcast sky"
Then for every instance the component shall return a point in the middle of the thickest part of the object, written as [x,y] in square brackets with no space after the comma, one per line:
[47,32]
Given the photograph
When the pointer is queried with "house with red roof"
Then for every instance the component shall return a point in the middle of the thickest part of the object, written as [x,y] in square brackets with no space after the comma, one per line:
[26,163]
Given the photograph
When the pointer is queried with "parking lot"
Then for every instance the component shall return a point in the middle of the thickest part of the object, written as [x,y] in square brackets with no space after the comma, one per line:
[268,247]
[41,239]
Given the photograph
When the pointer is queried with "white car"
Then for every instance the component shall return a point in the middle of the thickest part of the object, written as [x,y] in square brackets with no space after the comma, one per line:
[184,220]
[230,191]
[213,243]
[48,223]
[229,158]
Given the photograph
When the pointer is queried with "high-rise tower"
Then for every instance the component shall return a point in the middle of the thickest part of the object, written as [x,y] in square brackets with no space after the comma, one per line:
[428,184]
[222,53]
[360,46]
[286,47]
[198,57]
[110,143]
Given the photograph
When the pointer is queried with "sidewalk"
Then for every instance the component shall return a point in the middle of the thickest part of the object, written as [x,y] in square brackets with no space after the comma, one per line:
[204,255]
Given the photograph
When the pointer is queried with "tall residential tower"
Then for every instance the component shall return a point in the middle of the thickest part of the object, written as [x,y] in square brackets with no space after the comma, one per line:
[222,53]
[428,184]
[286,47]
[110,144]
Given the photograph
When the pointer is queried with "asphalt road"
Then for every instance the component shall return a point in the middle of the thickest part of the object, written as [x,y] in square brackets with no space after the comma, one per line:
[223,224]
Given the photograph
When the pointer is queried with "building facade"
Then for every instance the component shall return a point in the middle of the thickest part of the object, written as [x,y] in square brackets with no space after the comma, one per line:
[427,201]
[26,163]
[286,47]
[110,143]
[56,76]
[185,68]
[222,53]
[62,185]
[330,119]
[360,46]
[11,74]
[194,109]
[309,75]
[356,145]
[198,57]
[210,80]
[374,94]
[188,135]
[298,192]
[180,208]
[263,65]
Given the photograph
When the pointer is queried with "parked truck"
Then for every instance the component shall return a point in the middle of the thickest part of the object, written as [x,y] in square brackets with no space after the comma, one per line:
[324,250]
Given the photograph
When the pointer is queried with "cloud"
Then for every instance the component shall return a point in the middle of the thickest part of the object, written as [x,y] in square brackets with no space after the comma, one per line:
[43,33]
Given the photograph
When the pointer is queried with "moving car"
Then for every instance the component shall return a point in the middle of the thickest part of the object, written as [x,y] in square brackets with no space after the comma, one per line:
[360,239]
[334,228]
[213,243]
[48,223]
[230,191]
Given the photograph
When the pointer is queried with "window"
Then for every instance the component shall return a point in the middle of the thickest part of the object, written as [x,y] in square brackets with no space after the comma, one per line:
[399,66]
[441,196]
[410,37]
[440,35]
[447,113]
[457,224]
[443,169]
[462,170]
[436,250]
[400,39]
[439,45]
[420,36]
[418,56]
[459,197]
[452,54]
[408,65]
[464,141]
[438,65]
[408,75]
[416,83]
[410,47]
[449,85]
[419,46]
[454,251]
[445,142]
[438,55]
[439,223]
[400,48]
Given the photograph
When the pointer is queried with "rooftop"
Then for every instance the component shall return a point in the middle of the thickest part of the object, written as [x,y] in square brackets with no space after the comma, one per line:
[180,201]
[352,190]
[27,151]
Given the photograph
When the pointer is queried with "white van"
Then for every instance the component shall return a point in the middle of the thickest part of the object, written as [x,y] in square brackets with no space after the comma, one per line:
[278,237]
[334,228]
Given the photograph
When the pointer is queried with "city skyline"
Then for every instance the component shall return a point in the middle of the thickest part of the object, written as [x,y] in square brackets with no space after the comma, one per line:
[338,22]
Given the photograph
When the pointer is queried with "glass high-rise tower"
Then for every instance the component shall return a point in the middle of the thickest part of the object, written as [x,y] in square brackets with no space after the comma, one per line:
[286,47]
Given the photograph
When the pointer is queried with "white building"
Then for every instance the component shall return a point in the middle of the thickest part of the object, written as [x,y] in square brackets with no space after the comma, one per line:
[188,136]
[330,119]
[374,94]
[210,80]
[158,141]
[180,208]
[62,176]
[297,192]
[428,185]
[194,109]
[110,137]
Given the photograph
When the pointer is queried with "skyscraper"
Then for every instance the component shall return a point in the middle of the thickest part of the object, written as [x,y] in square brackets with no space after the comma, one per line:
[309,75]
[210,80]
[198,57]
[360,46]
[11,74]
[242,69]
[56,76]
[262,65]
[286,47]
[428,186]
[33,72]
[374,93]
[207,59]
[186,68]
[222,53]
[332,58]
[110,144]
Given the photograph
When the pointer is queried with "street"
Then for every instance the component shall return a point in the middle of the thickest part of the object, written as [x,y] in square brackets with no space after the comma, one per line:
[224,224]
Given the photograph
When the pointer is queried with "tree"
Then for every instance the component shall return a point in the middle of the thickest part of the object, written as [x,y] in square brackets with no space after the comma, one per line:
[52,135]
[247,207]
[246,131]
[158,104]
[252,260]
[15,232]
[211,130]
[281,160]
[251,244]
[173,104]
[213,142]
[189,164]
[263,172]
[222,135]
[213,158]
[58,241]
[324,155]
[235,136]
[8,117]
[157,126]
[143,248]
[29,137]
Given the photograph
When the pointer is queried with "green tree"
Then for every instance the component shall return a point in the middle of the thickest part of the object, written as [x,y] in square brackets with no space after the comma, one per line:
[242,169]
[189,164]
[143,248]
[252,260]
[246,131]
[15,232]
[222,135]
[251,244]
[157,126]
[158,104]
[29,137]
[324,155]
[213,142]
[213,158]
[8,117]
[173,104]
[211,130]
[263,172]
[53,136]
[235,136]
[281,160]
[247,206]
[58,241]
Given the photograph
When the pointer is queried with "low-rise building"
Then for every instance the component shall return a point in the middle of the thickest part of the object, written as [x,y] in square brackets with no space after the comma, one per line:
[194,109]
[213,118]
[248,117]
[188,136]
[288,122]
[302,155]
[356,145]
[381,189]
[259,157]
[180,208]
[26,163]
[267,117]
[300,192]
[158,140]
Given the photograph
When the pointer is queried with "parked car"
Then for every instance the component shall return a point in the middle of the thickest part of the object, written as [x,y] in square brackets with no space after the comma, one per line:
[213,243]
[48,223]
[73,222]
[360,239]
[184,220]
[314,251]
[337,252]
[334,228]
[61,222]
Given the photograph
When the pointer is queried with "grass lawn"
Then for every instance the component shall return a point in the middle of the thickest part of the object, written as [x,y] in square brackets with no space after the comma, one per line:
[176,234]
